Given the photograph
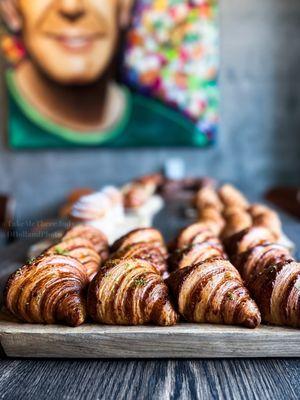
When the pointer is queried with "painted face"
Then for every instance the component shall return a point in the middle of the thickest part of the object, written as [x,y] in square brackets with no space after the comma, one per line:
[72,41]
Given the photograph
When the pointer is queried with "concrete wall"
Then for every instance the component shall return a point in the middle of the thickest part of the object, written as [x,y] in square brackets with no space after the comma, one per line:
[259,142]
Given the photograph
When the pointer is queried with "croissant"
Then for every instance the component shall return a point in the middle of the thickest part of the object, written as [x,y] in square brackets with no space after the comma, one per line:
[264,216]
[195,254]
[99,206]
[130,292]
[80,249]
[212,218]
[239,215]
[144,244]
[154,253]
[136,193]
[198,232]
[140,235]
[246,239]
[236,220]
[49,290]
[231,197]
[94,235]
[207,287]
[208,197]
[213,292]
[271,274]
[155,179]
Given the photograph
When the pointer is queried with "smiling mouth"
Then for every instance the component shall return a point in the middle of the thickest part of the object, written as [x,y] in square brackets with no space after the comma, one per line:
[76,43]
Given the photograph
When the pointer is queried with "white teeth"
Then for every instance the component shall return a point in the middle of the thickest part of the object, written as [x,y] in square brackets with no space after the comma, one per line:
[75,42]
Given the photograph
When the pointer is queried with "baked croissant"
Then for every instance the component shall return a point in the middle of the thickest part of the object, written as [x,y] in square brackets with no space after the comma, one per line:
[236,220]
[246,239]
[130,292]
[94,235]
[265,217]
[208,197]
[232,197]
[99,205]
[196,233]
[138,192]
[144,244]
[49,290]
[212,218]
[80,249]
[207,286]
[154,253]
[213,292]
[195,254]
[140,235]
[271,274]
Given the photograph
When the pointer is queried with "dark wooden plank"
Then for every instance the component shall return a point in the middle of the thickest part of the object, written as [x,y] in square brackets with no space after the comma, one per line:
[259,379]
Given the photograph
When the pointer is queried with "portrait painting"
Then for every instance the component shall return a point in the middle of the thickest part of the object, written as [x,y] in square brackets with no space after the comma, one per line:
[110,73]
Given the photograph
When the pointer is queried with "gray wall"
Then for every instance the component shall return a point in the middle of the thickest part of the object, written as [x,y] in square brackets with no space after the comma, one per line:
[259,142]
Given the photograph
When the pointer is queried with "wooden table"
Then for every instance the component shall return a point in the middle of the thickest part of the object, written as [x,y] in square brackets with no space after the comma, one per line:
[143,379]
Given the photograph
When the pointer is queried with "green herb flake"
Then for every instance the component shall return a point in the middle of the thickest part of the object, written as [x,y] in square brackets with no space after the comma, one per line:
[58,250]
[139,282]
[18,272]
[230,296]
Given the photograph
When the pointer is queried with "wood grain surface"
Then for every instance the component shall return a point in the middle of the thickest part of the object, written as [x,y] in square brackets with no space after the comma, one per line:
[235,379]
[181,341]
[138,379]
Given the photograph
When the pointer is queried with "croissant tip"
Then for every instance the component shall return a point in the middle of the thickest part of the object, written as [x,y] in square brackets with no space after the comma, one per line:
[76,318]
[252,322]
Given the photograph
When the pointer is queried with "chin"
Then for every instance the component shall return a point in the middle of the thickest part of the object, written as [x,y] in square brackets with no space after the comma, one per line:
[73,77]
[67,69]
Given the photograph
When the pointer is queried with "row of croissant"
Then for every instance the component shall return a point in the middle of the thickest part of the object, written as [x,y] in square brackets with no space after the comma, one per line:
[227,268]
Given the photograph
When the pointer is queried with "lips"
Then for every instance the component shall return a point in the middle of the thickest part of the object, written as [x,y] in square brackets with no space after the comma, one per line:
[76,42]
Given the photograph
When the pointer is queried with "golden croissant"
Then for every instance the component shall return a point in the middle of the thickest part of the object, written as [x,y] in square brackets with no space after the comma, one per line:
[246,239]
[227,211]
[49,290]
[130,292]
[95,236]
[195,254]
[198,232]
[80,249]
[138,192]
[231,197]
[207,197]
[270,273]
[212,218]
[213,292]
[140,235]
[145,244]
[265,217]
[207,287]
[154,253]
[236,220]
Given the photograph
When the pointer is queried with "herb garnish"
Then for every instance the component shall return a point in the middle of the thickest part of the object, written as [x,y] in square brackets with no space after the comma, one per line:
[61,251]
[230,296]
[139,282]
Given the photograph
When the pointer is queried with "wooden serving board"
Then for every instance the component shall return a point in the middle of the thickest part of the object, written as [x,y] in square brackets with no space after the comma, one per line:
[181,341]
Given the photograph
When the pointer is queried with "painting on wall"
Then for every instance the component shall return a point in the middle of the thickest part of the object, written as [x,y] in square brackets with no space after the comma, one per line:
[118,73]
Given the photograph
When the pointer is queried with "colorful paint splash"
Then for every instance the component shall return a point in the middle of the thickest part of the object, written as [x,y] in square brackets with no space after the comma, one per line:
[172,55]
[11,48]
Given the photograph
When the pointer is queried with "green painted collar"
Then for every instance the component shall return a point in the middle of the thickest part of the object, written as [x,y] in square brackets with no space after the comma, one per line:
[90,138]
